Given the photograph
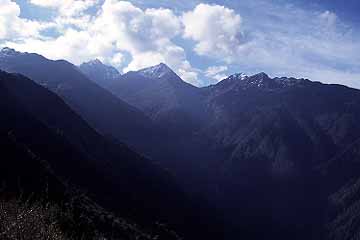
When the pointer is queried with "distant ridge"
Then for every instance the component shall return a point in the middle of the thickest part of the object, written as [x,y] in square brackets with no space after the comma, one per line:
[100,73]
[100,108]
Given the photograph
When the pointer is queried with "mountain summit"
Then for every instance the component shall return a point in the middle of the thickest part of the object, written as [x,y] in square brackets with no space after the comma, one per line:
[156,90]
[157,71]
[8,52]
[99,73]
[260,81]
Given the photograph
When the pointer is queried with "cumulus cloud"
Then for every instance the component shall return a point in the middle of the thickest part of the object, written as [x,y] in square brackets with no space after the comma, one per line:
[216,72]
[117,59]
[216,30]
[119,29]
[73,46]
[66,7]
[133,29]
[145,34]
[69,13]
[13,27]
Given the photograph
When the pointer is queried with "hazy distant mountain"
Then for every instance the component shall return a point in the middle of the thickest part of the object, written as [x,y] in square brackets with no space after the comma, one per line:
[157,91]
[100,73]
[161,91]
[71,151]
[178,110]
[100,108]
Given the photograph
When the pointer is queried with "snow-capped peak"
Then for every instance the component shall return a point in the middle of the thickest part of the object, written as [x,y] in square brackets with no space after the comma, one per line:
[157,71]
[239,76]
[263,81]
[94,62]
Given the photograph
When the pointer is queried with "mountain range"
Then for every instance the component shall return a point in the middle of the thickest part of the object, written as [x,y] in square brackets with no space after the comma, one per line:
[273,158]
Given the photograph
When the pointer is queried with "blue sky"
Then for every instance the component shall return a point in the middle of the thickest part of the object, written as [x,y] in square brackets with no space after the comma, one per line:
[203,41]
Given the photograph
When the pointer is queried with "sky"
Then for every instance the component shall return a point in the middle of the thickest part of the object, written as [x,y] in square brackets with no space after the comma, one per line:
[202,41]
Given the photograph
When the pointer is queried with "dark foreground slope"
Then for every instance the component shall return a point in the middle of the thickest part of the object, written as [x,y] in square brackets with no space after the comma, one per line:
[113,175]
[36,204]
[54,208]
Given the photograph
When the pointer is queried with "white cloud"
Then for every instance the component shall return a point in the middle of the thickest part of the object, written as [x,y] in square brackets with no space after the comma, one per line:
[146,34]
[118,28]
[70,13]
[13,27]
[73,46]
[216,30]
[117,59]
[66,7]
[133,29]
[216,72]
[164,22]
[281,40]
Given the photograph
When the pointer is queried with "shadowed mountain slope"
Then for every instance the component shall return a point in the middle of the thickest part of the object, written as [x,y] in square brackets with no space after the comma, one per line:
[112,174]
[157,91]
[270,150]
